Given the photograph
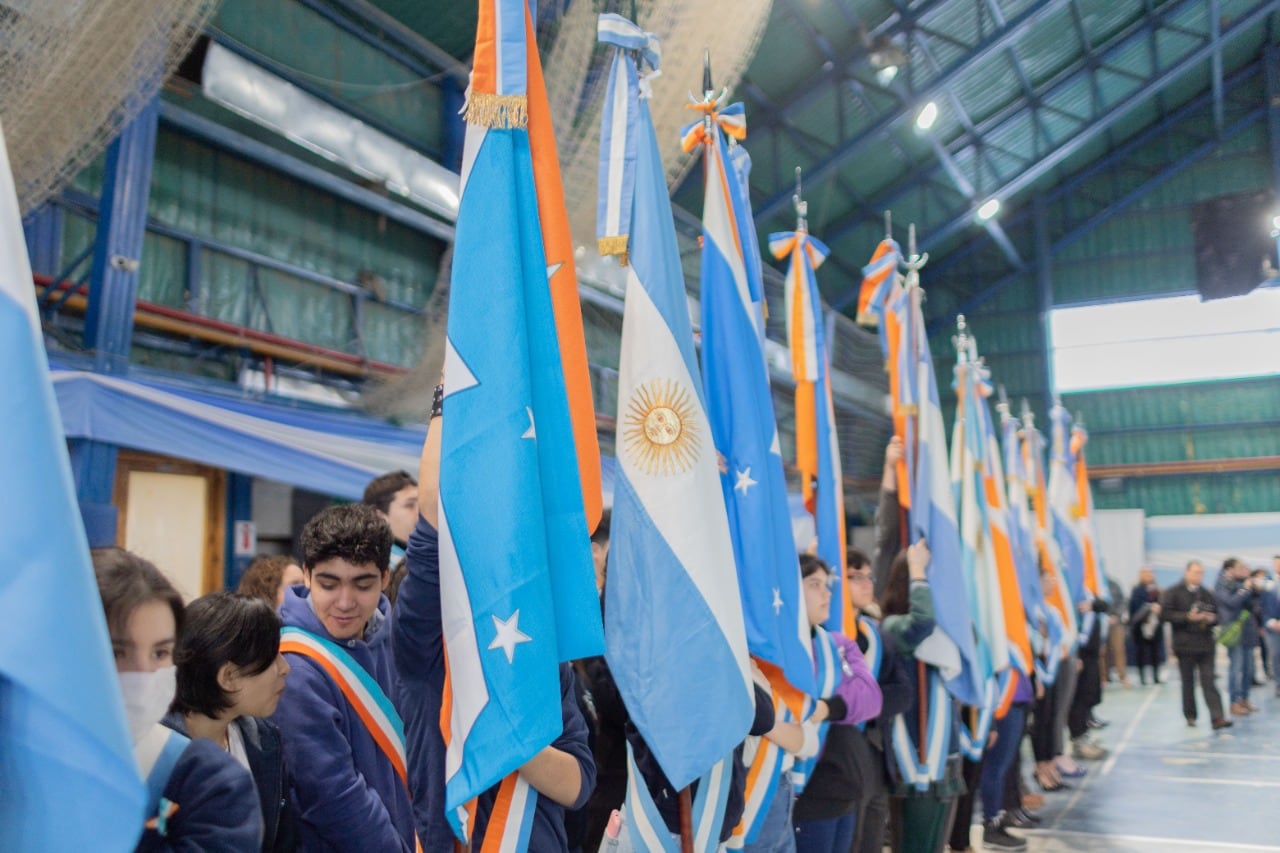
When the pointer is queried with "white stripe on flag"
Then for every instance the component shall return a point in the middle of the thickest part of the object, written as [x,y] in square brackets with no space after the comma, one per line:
[470,692]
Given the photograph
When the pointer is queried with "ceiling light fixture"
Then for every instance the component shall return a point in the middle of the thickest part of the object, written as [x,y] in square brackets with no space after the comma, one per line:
[928,115]
[989,208]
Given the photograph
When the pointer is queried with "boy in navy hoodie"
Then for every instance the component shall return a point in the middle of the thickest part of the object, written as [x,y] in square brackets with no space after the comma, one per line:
[348,785]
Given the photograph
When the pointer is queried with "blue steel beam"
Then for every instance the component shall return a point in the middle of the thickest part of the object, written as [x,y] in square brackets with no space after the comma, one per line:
[399,34]
[254,151]
[1099,125]
[1272,61]
[997,41]
[117,249]
[1149,136]
[418,54]
[1157,180]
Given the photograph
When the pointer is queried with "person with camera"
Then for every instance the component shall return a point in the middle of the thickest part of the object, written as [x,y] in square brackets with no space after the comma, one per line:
[1236,593]
[1189,608]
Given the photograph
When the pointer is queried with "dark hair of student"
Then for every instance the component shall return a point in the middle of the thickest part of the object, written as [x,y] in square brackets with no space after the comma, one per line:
[856,559]
[897,589]
[222,628]
[262,578]
[601,534]
[810,564]
[356,533]
[1230,563]
[382,490]
[127,581]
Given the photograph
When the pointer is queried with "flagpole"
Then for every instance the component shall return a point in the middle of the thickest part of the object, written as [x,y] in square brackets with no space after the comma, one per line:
[913,263]
[686,821]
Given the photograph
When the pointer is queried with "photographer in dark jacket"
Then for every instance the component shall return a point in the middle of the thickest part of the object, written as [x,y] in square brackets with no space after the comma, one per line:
[1189,608]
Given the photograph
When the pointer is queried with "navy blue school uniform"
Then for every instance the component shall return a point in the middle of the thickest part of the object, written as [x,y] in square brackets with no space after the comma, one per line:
[419,655]
[217,805]
[263,746]
[347,794]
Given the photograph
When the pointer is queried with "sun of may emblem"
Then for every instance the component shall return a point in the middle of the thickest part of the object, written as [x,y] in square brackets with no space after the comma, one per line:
[659,429]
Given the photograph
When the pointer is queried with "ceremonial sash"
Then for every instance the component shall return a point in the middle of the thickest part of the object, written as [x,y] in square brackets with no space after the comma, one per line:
[973,735]
[649,831]
[511,820]
[364,694]
[874,655]
[937,735]
[828,666]
[157,753]
[764,760]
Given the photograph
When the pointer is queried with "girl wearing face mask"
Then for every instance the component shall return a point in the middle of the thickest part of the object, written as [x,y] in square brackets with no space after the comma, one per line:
[230,678]
[199,798]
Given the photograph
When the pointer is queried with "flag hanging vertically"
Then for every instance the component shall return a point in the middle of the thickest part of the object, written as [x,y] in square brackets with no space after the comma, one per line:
[932,514]
[62,726]
[676,643]
[817,446]
[1056,593]
[1084,514]
[740,406]
[517,584]
[1063,503]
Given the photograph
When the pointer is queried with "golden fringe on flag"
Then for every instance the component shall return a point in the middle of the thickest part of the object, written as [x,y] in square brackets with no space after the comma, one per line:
[504,112]
[616,245]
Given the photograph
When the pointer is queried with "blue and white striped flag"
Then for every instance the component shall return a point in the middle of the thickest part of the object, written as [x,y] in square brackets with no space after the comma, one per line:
[70,781]
[740,406]
[675,638]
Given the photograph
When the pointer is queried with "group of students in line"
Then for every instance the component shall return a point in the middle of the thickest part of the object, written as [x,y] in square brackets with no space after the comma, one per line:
[269,719]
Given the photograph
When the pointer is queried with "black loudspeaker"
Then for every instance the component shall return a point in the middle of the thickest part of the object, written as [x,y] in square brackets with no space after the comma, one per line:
[1235,251]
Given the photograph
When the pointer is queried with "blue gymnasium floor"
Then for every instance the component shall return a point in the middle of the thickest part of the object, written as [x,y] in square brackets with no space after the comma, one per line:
[1167,787]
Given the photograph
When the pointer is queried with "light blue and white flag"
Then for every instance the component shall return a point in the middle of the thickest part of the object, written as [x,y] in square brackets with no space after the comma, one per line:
[675,638]
[740,406]
[1064,506]
[517,585]
[932,516]
[69,778]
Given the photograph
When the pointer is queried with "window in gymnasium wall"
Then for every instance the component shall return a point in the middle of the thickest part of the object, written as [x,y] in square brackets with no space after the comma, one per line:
[1165,341]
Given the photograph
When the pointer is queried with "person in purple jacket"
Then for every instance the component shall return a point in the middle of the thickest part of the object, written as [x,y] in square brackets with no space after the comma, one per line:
[826,809]
[348,792]
[563,773]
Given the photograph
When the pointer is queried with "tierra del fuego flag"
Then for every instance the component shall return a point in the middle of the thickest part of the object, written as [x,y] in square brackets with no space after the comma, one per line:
[70,778]
[676,642]
[817,446]
[1057,593]
[740,407]
[518,483]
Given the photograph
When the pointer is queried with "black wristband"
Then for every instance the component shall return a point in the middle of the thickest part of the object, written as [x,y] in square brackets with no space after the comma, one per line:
[437,402]
[836,708]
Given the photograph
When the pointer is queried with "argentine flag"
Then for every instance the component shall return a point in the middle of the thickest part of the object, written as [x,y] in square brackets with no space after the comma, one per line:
[675,637]
[70,781]
[1064,505]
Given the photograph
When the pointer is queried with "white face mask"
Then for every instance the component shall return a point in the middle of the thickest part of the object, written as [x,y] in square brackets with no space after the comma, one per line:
[147,696]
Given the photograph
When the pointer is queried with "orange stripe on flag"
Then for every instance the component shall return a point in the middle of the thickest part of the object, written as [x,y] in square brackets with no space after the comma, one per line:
[496,827]
[558,245]
[484,72]
[807,441]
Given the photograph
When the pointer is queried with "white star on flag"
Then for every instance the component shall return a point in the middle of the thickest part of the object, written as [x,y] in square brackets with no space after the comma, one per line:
[777,601]
[531,432]
[744,481]
[509,635]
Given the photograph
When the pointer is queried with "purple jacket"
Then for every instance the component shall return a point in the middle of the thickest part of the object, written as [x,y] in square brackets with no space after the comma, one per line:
[858,688]
[346,792]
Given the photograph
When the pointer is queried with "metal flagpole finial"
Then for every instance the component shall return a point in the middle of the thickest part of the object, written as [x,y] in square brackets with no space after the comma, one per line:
[1028,417]
[1002,402]
[708,91]
[888,225]
[961,340]
[802,206]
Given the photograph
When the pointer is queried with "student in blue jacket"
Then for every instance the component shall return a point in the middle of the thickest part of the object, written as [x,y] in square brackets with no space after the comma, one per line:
[230,678]
[348,783]
[199,798]
[563,773]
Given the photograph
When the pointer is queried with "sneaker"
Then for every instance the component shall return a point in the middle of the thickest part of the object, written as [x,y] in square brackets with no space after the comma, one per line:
[995,837]
[1020,818]
[1252,707]
[1191,722]
[1222,723]
[1240,709]
[1083,747]
[1095,723]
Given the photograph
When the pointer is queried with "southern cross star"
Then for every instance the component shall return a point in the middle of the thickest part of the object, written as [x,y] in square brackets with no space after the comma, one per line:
[777,601]
[509,635]
[744,481]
